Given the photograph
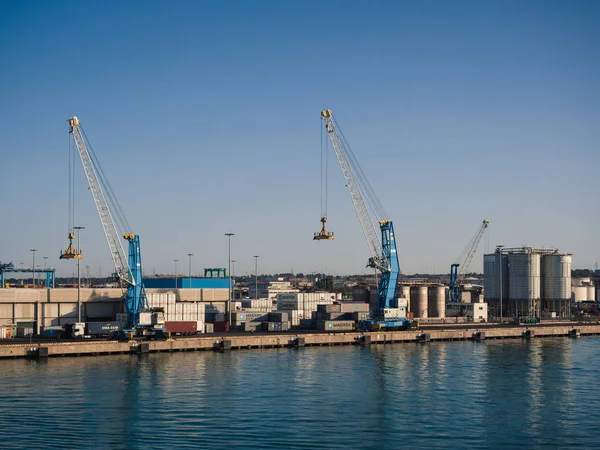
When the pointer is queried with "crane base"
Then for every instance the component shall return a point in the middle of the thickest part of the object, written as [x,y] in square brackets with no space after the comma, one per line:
[399,324]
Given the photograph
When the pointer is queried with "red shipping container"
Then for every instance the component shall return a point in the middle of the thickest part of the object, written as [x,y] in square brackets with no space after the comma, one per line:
[181,327]
[221,326]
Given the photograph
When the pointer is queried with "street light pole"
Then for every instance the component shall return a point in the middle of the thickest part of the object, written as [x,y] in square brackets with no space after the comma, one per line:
[176,261]
[33,250]
[229,271]
[233,277]
[256,276]
[190,273]
[45,273]
[500,264]
[78,274]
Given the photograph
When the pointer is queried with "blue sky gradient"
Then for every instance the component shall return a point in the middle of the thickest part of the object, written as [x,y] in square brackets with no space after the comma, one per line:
[205,117]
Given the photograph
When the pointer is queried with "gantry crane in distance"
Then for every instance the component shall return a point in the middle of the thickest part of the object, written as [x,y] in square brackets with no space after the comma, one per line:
[389,313]
[128,267]
[464,262]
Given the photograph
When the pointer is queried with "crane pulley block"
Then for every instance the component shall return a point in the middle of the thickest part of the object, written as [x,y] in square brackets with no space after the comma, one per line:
[323,234]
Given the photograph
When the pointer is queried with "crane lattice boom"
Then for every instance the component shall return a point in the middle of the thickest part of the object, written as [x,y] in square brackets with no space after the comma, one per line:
[464,262]
[377,259]
[117,252]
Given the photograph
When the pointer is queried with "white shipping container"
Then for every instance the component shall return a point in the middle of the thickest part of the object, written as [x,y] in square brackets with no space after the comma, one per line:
[294,316]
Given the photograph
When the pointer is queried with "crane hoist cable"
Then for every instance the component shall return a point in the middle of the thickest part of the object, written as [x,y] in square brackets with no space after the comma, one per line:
[324,234]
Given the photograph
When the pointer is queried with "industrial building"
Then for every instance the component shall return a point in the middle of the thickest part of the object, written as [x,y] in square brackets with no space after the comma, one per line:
[527,282]
[56,307]
[270,289]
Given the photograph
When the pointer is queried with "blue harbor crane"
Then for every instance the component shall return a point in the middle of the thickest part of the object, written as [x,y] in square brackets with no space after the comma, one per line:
[389,313]
[128,266]
[464,262]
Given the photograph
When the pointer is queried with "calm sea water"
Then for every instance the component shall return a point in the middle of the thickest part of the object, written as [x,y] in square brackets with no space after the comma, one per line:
[495,394]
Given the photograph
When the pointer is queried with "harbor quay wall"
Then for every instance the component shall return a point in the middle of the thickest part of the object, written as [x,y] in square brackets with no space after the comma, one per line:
[224,342]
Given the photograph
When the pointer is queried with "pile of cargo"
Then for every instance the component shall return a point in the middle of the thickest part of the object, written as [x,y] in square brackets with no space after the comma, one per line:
[277,321]
[300,306]
[181,317]
[7,331]
[340,316]
[239,319]
[20,330]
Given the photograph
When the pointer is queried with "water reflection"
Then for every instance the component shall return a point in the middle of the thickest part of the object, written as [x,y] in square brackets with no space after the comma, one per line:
[491,394]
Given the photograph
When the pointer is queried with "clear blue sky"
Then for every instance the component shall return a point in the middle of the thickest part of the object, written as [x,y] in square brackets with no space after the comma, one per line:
[205,116]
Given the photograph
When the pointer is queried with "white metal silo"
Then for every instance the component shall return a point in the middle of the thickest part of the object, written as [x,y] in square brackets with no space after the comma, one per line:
[556,275]
[556,284]
[418,301]
[591,293]
[579,293]
[492,273]
[524,276]
[436,301]
[405,290]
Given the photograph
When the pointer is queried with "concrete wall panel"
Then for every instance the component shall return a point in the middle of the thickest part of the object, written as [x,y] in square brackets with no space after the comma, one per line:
[24,312]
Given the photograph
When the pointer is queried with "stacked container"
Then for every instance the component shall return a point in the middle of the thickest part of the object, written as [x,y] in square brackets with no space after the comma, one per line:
[179,311]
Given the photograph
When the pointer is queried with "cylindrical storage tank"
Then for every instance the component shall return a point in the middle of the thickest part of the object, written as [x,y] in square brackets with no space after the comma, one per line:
[556,276]
[492,274]
[524,276]
[360,294]
[405,289]
[579,293]
[525,283]
[437,301]
[591,293]
[418,301]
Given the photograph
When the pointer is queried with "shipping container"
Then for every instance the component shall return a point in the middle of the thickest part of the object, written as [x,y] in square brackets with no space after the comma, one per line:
[214,317]
[209,328]
[268,326]
[361,316]
[181,327]
[220,327]
[331,308]
[101,328]
[252,326]
[24,332]
[352,307]
[307,324]
[335,325]
[278,316]
[333,316]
